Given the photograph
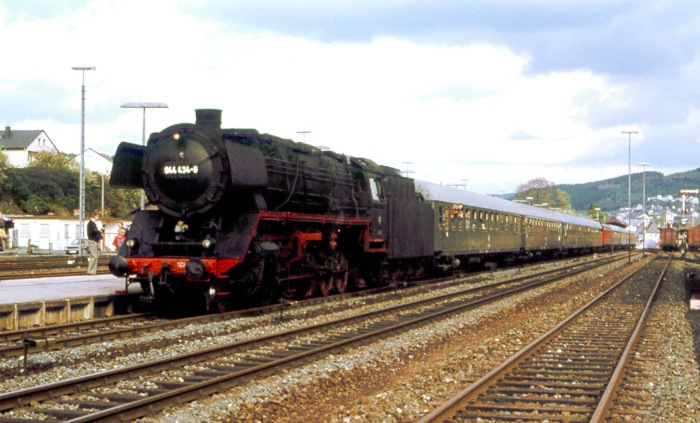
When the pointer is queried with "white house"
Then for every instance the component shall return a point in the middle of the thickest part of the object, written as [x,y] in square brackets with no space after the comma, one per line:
[96,162]
[20,146]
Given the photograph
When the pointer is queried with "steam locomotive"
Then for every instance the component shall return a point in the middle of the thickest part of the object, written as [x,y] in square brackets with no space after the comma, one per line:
[236,218]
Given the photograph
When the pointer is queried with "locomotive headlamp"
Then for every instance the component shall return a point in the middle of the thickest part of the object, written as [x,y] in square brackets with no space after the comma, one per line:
[208,243]
[176,136]
[132,243]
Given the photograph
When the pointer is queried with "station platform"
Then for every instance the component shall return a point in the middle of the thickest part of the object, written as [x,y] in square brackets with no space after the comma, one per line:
[49,300]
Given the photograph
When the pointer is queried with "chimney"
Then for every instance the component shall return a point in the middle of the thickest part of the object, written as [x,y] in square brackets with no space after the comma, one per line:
[8,132]
[210,118]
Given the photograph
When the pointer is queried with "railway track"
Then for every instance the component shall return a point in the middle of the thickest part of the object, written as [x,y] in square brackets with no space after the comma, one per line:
[19,342]
[572,372]
[56,337]
[142,389]
[32,266]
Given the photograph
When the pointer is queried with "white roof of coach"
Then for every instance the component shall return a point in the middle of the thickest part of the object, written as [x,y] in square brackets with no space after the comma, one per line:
[442,193]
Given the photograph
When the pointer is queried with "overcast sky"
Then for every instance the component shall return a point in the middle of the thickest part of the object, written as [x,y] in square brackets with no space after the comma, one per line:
[490,91]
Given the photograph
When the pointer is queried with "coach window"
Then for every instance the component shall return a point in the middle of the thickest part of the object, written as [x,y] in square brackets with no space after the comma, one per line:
[376,186]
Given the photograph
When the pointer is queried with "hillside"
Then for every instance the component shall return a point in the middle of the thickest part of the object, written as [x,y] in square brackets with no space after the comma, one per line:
[611,194]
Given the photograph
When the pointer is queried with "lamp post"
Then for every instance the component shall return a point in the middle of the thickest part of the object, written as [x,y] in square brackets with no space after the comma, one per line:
[81,206]
[407,171]
[144,106]
[629,191]
[303,135]
[644,204]
[102,209]
[597,214]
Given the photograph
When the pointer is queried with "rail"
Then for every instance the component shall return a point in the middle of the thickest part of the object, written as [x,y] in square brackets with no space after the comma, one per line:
[226,365]
[486,398]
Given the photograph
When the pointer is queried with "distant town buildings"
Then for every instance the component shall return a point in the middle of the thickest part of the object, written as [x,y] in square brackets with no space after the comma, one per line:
[661,212]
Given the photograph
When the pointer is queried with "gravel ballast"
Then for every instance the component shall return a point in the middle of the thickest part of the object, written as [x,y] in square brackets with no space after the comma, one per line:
[400,378]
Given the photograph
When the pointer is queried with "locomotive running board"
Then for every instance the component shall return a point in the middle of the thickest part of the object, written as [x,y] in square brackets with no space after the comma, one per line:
[304,217]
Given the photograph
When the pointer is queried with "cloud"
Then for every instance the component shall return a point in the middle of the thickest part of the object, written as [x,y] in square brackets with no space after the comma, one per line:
[490,91]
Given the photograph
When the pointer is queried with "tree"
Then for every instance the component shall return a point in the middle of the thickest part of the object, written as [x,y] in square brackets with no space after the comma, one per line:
[5,184]
[4,166]
[118,202]
[540,191]
[53,160]
[51,184]
[42,189]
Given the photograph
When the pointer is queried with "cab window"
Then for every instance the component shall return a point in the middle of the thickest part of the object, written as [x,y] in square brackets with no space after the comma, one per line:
[375,186]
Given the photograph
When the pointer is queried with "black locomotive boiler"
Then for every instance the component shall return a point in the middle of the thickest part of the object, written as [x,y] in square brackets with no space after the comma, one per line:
[239,217]
[236,218]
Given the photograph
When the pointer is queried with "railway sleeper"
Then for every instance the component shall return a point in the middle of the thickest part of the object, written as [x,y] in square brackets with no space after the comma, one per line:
[554,399]
[547,390]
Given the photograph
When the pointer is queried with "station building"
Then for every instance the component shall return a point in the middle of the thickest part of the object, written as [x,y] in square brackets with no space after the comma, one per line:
[51,234]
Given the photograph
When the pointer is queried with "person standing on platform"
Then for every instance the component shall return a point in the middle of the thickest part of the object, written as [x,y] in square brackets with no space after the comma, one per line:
[94,235]
[121,236]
